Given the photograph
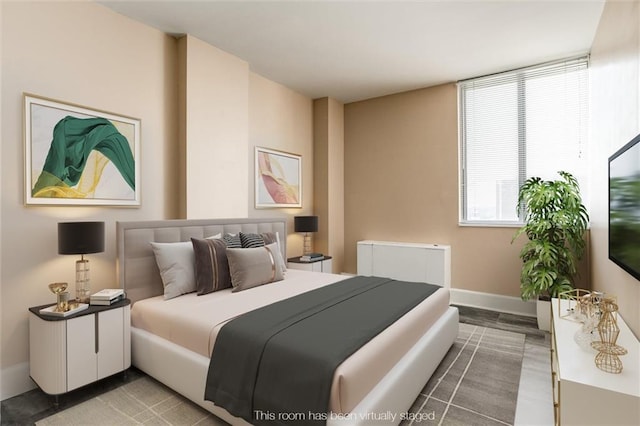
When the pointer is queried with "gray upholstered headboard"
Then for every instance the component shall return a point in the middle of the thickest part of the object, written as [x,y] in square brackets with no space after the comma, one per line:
[136,265]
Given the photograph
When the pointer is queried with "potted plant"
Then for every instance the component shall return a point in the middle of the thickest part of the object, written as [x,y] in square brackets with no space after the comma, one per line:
[555,223]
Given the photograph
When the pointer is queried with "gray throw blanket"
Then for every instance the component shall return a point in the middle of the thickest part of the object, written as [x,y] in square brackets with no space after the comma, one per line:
[275,365]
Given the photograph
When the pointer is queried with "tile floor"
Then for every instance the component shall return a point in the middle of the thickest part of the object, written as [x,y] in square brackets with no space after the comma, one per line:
[535,407]
[535,401]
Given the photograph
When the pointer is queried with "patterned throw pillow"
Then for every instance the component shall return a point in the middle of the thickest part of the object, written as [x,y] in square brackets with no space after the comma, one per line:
[212,267]
[251,240]
[232,240]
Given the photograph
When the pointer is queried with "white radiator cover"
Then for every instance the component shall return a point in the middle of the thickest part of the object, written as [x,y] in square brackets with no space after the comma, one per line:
[429,263]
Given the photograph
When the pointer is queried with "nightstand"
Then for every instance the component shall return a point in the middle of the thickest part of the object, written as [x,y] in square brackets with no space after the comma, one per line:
[66,353]
[322,265]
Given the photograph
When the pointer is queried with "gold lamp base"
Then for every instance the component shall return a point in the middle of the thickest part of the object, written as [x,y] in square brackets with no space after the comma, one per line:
[83,291]
[306,249]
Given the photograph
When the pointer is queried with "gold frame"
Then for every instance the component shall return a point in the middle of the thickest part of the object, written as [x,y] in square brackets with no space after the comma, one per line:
[288,176]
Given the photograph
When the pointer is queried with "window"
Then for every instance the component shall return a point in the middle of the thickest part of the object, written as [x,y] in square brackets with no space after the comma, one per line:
[518,124]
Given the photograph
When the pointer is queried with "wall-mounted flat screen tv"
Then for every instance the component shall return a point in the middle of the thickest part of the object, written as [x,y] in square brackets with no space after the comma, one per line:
[624,207]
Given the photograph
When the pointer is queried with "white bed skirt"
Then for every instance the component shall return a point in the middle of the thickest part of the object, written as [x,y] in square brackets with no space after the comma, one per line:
[185,372]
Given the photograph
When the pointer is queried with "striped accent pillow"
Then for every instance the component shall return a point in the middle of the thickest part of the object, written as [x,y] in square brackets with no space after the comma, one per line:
[251,240]
[274,237]
[212,267]
[232,240]
[252,267]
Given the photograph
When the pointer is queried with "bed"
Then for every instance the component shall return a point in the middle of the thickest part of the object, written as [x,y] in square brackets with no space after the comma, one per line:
[383,377]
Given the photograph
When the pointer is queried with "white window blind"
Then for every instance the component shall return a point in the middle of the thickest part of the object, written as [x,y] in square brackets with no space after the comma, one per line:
[518,124]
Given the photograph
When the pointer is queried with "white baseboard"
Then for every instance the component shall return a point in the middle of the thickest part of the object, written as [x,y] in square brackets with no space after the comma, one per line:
[15,380]
[493,302]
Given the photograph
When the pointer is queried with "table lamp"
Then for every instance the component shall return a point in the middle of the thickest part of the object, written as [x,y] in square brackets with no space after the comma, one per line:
[306,224]
[81,238]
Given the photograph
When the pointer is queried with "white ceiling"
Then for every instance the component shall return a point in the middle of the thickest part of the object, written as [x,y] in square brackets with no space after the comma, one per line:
[355,50]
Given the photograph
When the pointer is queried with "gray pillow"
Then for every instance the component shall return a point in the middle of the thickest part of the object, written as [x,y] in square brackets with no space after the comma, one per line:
[270,237]
[212,268]
[176,264]
[251,267]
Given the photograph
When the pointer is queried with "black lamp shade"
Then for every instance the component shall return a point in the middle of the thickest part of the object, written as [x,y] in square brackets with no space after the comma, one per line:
[305,223]
[80,237]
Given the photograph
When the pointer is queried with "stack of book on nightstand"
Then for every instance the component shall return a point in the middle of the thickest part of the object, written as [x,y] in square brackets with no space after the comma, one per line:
[311,257]
[107,296]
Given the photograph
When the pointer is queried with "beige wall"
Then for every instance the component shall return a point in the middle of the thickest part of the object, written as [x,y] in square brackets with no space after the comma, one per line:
[328,147]
[401,184]
[85,54]
[615,120]
[216,131]
[1,102]
[228,111]
[202,113]
[281,119]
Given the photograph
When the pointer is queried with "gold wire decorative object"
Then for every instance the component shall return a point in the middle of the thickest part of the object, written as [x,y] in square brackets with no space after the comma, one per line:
[575,304]
[607,358]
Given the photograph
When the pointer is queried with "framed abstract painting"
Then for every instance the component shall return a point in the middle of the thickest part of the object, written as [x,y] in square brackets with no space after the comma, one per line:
[80,156]
[278,179]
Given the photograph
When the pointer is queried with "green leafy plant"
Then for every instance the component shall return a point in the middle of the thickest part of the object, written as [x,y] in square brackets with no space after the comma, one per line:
[555,223]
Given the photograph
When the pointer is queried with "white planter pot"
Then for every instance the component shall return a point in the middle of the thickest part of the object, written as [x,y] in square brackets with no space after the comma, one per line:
[543,310]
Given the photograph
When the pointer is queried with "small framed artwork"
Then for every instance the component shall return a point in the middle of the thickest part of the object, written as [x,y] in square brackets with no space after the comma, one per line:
[278,179]
[80,156]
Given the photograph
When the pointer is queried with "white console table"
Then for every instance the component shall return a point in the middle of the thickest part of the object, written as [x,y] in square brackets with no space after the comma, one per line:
[582,393]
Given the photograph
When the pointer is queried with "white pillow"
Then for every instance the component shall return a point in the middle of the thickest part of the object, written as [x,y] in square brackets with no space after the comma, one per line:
[284,265]
[176,262]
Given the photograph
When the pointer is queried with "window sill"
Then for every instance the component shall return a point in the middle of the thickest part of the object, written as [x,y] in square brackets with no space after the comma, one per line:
[492,224]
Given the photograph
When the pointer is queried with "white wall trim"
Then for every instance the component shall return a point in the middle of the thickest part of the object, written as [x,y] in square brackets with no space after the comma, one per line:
[493,302]
[15,380]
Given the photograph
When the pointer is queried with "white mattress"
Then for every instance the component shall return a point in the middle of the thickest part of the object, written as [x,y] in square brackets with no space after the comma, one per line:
[193,322]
